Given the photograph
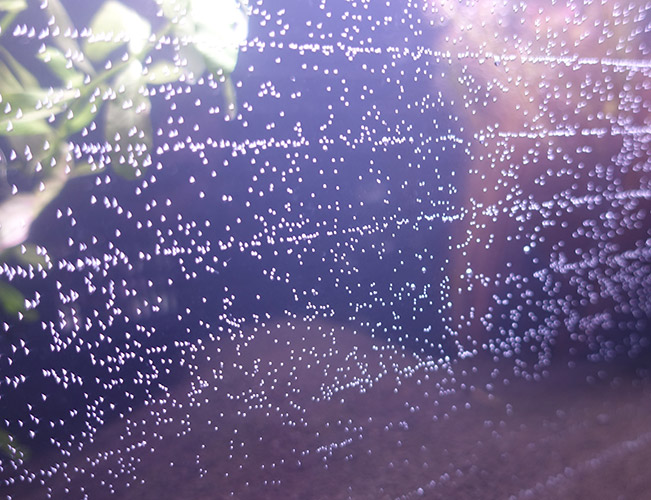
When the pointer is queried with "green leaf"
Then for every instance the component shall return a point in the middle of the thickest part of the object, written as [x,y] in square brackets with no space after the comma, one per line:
[8,82]
[113,25]
[28,98]
[28,115]
[18,212]
[10,447]
[13,5]
[61,18]
[213,29]
[83,113]
[219,30]
[11,299]
[230,97]
[217,56]
[85,168]
[21,73]
[30,109]
[16,216]
[20,144]
[173,9]
[192,62]
[28,254]
[162,72]
[67,43]
[62,67]
[11,8]
[128,127]
[30,123]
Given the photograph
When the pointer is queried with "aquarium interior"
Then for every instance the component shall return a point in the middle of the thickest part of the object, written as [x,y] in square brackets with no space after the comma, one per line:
[327,249]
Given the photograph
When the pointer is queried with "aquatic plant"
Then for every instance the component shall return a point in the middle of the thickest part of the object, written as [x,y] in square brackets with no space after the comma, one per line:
[10,447]
[104,78]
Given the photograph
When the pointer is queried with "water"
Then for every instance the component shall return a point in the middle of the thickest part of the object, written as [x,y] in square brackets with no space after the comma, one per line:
[401,250]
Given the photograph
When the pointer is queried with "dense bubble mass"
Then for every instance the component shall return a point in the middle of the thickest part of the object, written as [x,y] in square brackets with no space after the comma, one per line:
[324,249]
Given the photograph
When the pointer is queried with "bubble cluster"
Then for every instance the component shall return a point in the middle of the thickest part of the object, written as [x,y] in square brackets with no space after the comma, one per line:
[383,212]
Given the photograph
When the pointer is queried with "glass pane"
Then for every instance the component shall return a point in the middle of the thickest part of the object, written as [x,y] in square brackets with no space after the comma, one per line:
[324,249]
